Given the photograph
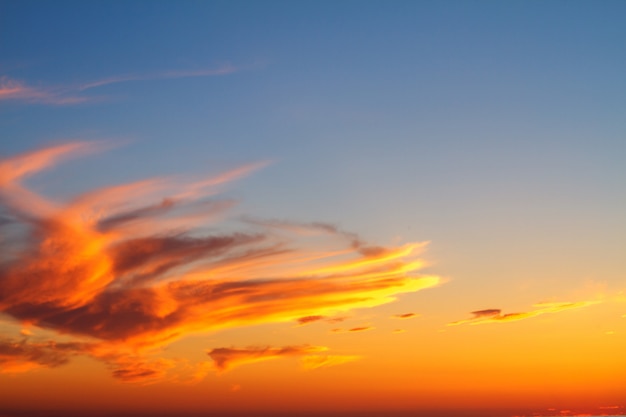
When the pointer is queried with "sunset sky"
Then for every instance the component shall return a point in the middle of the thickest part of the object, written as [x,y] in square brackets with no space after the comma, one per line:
[213,207]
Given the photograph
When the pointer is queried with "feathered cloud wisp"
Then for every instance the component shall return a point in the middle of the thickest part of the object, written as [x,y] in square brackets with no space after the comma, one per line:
[127,269]
[494,315]
[22,92]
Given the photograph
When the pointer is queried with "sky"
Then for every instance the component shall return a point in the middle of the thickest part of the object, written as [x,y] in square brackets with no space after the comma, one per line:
[313,208]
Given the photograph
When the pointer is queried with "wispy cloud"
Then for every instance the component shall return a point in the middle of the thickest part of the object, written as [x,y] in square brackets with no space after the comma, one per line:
[309,319]
[141,371]
[163,75]
[20,91]
[353,329]
[20,356]
[16,90]
[496,316]
[228,358]
[312,319]
[131,267]
[323,361]
[405,316]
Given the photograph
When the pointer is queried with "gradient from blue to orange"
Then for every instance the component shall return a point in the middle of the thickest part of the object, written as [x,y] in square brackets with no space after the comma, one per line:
[493,130]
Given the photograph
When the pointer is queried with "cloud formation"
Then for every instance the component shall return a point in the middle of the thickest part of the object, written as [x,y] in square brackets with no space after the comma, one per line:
[19,356]
[310,362]
[312,319]
[353,329]
[227,358]
[163,75]
[495,315]
[309,319]
[16,90]
[405,316]
[131,267]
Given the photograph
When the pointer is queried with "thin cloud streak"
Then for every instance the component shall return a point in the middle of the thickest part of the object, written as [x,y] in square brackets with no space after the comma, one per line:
[405,316]
[311,362]
[164,75]
[227,358]
[496,316]
[309,319]
[353,329]
[129,268]
[15,90]
[19,91]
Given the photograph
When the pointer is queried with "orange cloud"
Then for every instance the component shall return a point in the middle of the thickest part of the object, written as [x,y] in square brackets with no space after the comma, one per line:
[336,319]
[309,319]
[405,316]
[21,356]
[353,329]
[130,267]
[227,358]
[322,361]
[312,319]
[360,329]
[140,371]
[495,315]
[125,364]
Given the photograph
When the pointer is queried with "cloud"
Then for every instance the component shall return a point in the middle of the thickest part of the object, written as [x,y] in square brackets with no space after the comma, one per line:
[227,358]
[21,356]
[353,329]
[360,329]
[163,75]
[139,371]
[336,319]
[133,267]
[405,316]
[496,316]
[16,90]
[310,362]
[126,366]
[309,319]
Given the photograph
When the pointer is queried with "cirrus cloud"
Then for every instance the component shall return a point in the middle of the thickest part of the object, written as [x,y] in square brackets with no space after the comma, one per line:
[494,315]
[20,91]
